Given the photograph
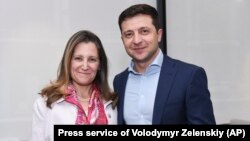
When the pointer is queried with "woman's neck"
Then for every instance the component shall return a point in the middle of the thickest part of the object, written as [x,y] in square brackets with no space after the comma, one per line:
[84,92]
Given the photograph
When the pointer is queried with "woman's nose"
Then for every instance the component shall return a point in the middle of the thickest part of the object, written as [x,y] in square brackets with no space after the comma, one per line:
[85,65]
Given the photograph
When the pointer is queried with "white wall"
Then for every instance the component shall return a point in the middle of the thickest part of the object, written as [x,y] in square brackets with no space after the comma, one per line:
[215,35]
[33,34]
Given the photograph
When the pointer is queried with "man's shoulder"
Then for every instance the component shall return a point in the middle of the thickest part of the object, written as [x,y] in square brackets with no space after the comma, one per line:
[124,72]
[180,64]
[183,68]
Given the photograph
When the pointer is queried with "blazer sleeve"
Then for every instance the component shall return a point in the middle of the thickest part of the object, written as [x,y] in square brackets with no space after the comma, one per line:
[38,120]
[198,102]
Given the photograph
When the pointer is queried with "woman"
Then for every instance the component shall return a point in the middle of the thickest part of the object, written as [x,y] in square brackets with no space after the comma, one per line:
[80,94]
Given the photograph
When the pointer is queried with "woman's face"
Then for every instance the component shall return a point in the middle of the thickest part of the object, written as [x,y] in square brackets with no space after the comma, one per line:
[84,64]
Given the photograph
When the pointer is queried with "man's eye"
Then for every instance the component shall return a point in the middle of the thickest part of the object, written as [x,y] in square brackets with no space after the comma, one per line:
[144,31]
[128,35]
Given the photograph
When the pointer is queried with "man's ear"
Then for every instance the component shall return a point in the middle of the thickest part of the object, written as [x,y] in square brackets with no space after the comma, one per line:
[159,33]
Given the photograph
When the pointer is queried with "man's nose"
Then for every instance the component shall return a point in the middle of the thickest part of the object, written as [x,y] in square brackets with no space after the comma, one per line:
[137,38]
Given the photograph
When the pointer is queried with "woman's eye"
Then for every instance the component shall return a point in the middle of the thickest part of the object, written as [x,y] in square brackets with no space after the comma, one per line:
[92,60]
[78,58]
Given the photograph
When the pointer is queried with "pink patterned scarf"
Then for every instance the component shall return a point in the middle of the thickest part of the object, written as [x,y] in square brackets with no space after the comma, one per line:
[96,113]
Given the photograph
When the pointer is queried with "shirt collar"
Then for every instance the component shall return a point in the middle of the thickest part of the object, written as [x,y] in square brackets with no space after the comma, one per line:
[157,62]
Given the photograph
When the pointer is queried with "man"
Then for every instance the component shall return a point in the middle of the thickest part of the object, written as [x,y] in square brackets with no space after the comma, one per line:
[156,89]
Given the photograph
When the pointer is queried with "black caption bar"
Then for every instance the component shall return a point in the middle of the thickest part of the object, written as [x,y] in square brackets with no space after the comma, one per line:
[152,132]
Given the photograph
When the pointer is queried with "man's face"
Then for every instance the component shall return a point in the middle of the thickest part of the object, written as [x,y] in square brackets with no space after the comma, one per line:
[141,38]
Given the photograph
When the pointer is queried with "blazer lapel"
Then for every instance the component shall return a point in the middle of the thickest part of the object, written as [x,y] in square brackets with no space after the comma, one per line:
[122,86]
[165,82]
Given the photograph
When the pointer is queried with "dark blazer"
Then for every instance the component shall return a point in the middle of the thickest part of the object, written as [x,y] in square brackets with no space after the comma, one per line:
[182,95]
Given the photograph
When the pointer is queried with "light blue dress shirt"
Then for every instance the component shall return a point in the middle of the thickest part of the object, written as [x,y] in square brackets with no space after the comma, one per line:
[140,93]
